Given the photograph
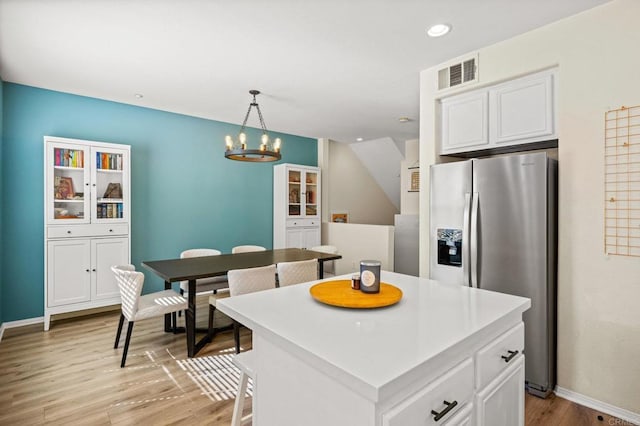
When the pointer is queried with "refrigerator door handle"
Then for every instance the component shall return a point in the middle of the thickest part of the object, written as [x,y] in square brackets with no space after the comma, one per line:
[473,246]
[466,242]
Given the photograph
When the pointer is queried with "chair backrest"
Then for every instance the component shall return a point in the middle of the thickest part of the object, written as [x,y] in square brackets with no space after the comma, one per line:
[199,253]
[246,249]
[250,280]
[325,249]
[297,272]
[130,284]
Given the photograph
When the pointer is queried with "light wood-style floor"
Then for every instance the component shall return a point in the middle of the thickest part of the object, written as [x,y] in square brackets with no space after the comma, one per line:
[71,375]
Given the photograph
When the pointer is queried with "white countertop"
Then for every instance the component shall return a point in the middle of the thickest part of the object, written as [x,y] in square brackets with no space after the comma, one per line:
[373,349]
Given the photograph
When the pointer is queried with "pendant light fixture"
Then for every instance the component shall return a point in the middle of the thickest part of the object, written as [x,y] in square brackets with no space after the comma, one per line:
[237,149]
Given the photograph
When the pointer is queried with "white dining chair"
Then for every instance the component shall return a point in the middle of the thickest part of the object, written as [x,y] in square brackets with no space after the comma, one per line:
[138,307]
[244,361]
[329,265]
[290,273]
[203,285]
[243,281]
[246,249]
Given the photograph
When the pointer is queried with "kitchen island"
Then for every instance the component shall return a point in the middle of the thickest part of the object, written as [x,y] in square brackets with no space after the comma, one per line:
[444,354]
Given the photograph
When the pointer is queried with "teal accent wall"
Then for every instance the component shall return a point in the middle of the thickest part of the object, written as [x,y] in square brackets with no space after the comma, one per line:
[185,194]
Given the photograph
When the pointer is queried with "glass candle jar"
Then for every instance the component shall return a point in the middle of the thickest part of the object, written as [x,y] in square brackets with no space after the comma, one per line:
[370,276]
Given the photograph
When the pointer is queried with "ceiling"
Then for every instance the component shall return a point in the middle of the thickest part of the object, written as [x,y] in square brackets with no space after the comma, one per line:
[336,69]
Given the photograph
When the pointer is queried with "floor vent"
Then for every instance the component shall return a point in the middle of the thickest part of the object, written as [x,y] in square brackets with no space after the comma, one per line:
[458,73]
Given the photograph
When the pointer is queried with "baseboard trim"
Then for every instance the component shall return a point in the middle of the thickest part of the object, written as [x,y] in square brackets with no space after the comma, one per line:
[612,410]
[19,323]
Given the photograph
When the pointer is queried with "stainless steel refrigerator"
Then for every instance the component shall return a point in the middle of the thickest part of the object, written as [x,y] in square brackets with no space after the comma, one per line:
[493,226]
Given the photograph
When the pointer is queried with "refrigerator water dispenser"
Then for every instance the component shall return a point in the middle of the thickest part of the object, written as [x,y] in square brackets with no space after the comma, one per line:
[450,247]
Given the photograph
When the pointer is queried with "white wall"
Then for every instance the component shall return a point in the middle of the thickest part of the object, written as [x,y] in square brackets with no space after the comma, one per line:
[348,187]
[598,295]
[356,242]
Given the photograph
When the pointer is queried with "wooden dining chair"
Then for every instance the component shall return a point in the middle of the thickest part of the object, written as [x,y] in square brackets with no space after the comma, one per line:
[138,307]
[297,272]
[247,249]
[243,281]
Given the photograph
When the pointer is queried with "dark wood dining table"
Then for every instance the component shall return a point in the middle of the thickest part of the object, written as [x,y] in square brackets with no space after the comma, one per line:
[193,268]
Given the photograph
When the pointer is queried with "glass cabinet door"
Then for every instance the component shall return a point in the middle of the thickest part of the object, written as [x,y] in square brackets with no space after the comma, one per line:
[311,194]
[294,186]
[67,183]
[109,202]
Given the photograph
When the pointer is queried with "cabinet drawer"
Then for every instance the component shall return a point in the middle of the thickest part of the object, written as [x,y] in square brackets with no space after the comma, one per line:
[456,386]
[292,223]
[495,357]
[87,230]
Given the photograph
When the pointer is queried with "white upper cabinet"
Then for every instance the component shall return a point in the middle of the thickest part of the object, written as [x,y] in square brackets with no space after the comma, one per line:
[465,122]
[500,118]
[522,110]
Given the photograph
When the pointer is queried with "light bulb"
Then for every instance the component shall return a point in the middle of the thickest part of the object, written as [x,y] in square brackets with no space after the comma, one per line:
[229,142]
[277,144]
[265,138]
[243,140]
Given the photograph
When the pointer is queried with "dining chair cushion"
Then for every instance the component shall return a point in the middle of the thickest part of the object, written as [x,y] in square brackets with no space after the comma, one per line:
[297,272]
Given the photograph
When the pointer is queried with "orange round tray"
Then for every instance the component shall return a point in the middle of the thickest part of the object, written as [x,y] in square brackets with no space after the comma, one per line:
[340,293]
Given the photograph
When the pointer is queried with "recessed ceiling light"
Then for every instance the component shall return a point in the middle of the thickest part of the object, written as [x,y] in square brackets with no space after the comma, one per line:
[139,96]
[359,139]
[438,30]
[404,119]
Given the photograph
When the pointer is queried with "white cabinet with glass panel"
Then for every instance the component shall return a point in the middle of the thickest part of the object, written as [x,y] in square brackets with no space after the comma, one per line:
[296,206]
[87,222]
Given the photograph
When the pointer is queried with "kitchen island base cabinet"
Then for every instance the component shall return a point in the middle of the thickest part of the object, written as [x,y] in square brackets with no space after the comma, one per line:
[501,403]
[458,360]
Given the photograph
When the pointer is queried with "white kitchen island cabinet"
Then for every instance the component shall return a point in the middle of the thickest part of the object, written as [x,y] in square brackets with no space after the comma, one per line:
[443,352]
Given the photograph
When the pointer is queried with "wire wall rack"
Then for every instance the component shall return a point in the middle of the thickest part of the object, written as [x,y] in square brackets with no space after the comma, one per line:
[622,181]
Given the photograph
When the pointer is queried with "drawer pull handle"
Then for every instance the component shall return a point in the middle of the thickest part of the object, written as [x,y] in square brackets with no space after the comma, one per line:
[444,412]
[88,270]
[510,357]
[110,230]
[68,232]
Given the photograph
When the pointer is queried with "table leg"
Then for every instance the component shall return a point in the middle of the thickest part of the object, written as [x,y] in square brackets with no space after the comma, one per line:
[321,271]
[167,317]
[190,318]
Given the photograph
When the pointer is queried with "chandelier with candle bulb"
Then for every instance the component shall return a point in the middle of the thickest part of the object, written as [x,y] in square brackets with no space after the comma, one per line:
[236,149]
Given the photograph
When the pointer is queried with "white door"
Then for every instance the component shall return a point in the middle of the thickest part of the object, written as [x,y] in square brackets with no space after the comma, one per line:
[68,272]
[501,403]
[106,253]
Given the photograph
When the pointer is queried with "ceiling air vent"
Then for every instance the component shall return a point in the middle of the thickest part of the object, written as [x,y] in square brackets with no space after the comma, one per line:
[457,74]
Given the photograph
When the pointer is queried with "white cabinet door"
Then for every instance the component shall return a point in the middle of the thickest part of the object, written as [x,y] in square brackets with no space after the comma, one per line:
[106,253]
[465,122]
[68,272]
[295,238]
[311,237]
[501,403]
[522,110]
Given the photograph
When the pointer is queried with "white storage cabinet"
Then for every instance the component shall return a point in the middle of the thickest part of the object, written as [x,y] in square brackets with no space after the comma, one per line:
[87,223]
[296,206]
[520,111]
